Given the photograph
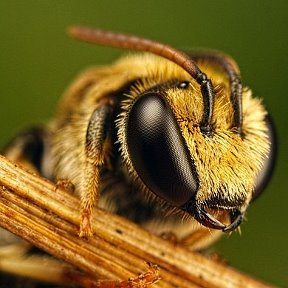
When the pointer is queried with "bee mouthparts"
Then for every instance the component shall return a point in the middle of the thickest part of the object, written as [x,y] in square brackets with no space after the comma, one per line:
[206,219]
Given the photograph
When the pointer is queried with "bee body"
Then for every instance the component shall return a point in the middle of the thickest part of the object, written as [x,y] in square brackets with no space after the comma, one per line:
[158,141]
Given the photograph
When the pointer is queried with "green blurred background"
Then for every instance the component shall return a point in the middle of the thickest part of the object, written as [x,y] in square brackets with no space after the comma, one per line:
[38,61]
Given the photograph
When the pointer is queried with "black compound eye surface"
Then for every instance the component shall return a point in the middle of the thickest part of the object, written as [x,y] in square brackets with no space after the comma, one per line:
[267,169]
[158,151]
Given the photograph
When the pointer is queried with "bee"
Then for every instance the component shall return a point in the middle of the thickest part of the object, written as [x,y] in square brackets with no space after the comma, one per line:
[167,139]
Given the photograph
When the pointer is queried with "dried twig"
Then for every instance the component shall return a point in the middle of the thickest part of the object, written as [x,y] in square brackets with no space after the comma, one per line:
[34,209]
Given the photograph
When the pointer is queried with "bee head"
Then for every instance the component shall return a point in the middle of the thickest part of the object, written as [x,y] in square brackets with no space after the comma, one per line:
[202,175]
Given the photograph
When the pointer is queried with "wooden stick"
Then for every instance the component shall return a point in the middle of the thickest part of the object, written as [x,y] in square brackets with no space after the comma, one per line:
[34,209]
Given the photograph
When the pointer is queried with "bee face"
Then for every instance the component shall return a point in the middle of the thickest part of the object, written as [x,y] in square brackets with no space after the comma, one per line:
[168,153]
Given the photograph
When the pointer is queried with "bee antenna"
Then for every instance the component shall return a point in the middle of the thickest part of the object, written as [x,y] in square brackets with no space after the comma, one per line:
[119,40]
[231,69]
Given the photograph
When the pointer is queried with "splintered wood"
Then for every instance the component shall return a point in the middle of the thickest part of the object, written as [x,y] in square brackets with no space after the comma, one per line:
[120,254]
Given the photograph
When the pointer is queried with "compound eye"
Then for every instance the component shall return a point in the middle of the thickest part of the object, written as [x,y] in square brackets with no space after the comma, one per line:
[158,152]
[267,169]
